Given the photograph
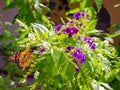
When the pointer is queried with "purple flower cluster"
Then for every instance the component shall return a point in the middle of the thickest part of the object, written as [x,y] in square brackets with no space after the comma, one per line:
[90,42]
[77,15]
[58,27]
[78,56]
[70,31]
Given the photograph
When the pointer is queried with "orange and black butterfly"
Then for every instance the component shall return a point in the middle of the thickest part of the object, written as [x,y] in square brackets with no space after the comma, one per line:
[23,58]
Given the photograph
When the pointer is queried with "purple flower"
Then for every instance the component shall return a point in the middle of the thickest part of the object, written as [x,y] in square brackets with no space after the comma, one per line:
[82,58]
[30,79]
[77,69]
[67,30]
[82,13]
[90,42]
[87,16]
[74,30]
[69,48]
[57,28]
[70,31]
[77,15]
[87,39]
[80,24]
[93,46]
[76,53]
[79,55]
[42,49]
[70,22]
[79,38]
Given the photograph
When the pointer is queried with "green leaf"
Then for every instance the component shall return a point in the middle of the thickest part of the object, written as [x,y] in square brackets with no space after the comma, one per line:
[70,71]
[115,26]
[92,13]
[106,85]
[74,1]
[55,53]
[46,21]
[108,39]
[84,4]
[98,4]
[39,14]
[90,67]
[9,4]
[23,34]
[45,7]
[115,34]
[72,11]
[39,27]
[6,35]
[22,24]
[91,25]
[117,75]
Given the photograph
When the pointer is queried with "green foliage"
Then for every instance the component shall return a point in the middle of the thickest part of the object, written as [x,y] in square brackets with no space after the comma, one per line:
[82,5]
[115,26]
[85,4]
[98,4]
[116,33]
[6,36]
[29,11]
[57,69]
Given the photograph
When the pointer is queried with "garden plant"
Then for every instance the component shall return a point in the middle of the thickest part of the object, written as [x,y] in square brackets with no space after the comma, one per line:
[68,56]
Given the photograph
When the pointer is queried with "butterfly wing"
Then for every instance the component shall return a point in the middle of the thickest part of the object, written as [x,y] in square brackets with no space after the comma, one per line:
[23,58]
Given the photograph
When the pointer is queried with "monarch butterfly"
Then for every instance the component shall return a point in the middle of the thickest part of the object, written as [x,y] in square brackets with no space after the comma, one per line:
[23,58]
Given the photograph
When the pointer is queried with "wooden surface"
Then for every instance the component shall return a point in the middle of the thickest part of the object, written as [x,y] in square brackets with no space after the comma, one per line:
[114,15]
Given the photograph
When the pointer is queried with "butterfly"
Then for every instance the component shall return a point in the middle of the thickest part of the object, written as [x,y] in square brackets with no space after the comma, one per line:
[23,58]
